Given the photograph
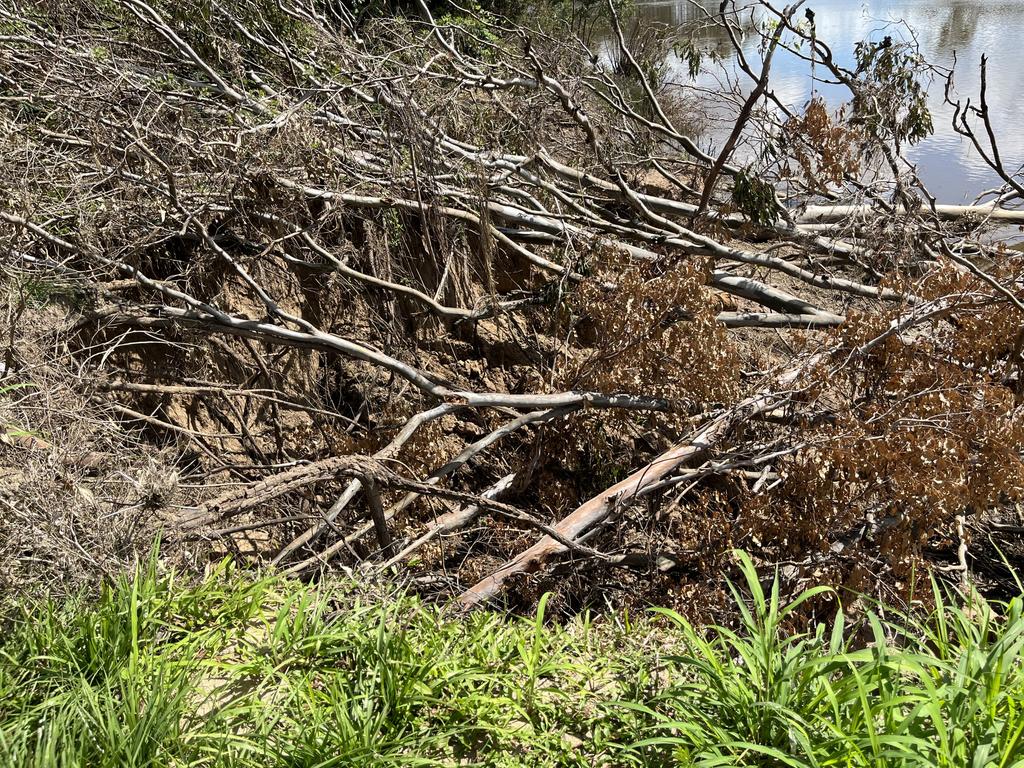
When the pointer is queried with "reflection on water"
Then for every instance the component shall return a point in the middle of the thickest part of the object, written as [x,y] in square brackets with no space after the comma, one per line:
[965,28]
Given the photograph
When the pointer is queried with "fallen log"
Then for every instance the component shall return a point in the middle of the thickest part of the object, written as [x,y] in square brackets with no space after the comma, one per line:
[834,214]
[597,509]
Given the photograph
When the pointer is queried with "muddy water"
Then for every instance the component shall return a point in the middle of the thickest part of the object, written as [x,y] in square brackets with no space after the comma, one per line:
[964,29]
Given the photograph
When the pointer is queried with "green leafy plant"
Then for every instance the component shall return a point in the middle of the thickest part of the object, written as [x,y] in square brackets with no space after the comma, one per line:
[754,197]
[891,97]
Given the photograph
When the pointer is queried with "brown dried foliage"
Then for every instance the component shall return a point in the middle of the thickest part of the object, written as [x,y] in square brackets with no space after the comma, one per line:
[824,149]
[651,334]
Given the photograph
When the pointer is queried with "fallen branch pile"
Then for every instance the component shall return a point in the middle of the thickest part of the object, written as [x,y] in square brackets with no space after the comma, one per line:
[365,270]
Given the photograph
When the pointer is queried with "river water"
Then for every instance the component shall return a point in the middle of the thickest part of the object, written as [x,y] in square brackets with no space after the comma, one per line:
[944,29]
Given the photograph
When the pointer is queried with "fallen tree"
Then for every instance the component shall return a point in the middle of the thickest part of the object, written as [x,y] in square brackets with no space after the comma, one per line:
[363,268]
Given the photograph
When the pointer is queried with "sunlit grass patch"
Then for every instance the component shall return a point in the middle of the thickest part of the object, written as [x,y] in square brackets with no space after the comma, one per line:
[243,671]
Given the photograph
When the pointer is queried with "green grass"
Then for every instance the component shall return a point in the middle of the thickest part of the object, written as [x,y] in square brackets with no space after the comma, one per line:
[245,672]
[43,290]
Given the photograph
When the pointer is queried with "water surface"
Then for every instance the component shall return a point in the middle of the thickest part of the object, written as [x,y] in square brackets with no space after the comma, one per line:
[964,29]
